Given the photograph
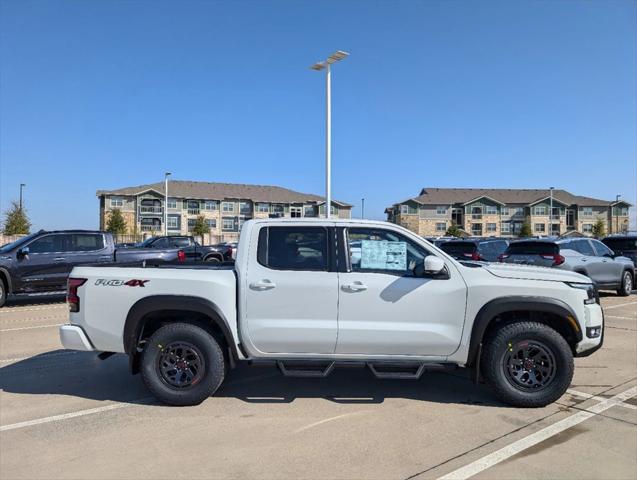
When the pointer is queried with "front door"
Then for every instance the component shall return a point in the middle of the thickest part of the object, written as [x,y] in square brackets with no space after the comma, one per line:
[292,291]
[46,266]
[388,307]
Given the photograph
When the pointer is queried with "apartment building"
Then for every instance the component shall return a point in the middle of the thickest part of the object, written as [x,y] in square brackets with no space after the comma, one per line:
[225,206]
[502,212]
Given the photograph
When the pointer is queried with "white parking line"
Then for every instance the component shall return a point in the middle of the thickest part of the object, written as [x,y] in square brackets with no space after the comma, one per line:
[621,318]
[516,447]
[321,422]
[30,328]
[619,305]
[576,393]
[66,416]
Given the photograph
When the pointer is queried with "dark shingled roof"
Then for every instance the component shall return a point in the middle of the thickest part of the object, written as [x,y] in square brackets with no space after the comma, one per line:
[219,191]
[446,196]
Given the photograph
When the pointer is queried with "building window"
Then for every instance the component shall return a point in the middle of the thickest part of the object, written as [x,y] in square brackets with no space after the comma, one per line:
[505,211]
[227,206]
[476,229]
[539,210]
[587,228]
[441,210]
[117,202]
[173,223]
[404,209]
[228,224]
[191,224]
[623,211]
[587,211]
[518,211]
[211,205]
[476,214]
[492,227]
[278,209]
[491,210]
[539,228]
[295,212]
[263,207]
[441,227]
[212,222]
[172,203]
[193,207]
[245,208]
[309,211]
[506,227]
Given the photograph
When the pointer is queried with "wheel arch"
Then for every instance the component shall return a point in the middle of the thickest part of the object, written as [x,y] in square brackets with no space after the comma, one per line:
[158,310]
[550,311]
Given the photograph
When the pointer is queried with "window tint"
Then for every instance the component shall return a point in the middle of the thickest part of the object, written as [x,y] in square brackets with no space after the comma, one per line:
[384,251]
[532,248]
[160,243]
[179,242]
[293,248]
[583,247]
[601,249]
[621,244]
[459,250]
[51,243]
[88,242]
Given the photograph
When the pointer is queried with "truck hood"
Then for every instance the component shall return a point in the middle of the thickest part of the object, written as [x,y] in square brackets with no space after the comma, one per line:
[530,272]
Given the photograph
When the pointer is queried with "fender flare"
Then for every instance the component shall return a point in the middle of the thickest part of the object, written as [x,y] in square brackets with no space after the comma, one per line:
[4,273]
[513,303]
[157,303]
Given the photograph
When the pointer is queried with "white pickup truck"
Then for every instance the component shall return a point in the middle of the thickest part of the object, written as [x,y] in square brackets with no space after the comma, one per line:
[312,294]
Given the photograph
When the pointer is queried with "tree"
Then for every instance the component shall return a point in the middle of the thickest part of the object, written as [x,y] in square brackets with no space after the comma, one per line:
[525,231]
[201,227]
[453,231]
[599,228]
[116,222]
[16,221]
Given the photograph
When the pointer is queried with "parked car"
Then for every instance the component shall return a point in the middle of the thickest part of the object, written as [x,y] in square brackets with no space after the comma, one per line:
[193,250]
[298,297]
[437,241]
[587,256]
[40,263]
[624,245]
[487,249]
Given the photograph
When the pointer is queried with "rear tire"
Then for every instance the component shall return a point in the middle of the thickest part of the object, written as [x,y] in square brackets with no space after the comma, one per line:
[3,293]
[527,364]
[182,364]
[627,285]
[212,259]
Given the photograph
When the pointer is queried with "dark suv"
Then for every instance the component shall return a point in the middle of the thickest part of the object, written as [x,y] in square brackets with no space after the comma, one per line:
[624,245]
[487,249]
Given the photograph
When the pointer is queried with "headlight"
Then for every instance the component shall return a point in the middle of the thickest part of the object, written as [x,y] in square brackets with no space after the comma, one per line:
[590,289]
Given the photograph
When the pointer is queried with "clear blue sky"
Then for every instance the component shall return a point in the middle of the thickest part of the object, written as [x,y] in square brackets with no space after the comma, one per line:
[98,95]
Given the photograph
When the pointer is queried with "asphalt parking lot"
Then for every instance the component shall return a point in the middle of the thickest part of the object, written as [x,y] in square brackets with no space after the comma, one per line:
[68,414]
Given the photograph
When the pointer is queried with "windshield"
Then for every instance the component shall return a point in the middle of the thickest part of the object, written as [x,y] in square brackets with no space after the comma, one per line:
[532,248]
[621,244]
[147,242]
[10,246]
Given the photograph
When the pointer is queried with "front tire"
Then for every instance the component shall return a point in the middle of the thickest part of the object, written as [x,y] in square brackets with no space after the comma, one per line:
[182,364]
[3,293]
[527,364]
[627,285]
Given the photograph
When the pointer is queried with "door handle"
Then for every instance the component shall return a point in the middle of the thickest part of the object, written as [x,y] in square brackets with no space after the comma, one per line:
[59,259]
[264,284]
[354,287]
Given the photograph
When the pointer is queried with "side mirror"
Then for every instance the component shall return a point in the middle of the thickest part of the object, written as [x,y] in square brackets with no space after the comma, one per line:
[433,265]
[23,252]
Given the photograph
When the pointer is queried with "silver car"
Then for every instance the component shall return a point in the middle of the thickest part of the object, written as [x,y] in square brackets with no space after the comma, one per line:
[582,255]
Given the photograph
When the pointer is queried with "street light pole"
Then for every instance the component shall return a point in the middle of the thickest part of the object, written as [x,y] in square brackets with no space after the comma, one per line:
[551,214]
[362,208]
[616,214]
[22,185]
[326,65]
[166,175]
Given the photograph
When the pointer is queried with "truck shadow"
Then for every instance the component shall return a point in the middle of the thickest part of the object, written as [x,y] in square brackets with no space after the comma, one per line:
[83,375]
[24,301]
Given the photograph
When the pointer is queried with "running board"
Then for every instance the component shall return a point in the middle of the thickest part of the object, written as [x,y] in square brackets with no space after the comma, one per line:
[397,370]
[305,369]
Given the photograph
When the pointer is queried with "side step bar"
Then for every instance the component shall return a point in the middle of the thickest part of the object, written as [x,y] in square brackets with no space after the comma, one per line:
[305,369]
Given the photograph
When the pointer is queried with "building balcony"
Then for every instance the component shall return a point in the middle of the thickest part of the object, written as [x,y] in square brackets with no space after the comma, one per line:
[194,211]
[150,210]
[151,228]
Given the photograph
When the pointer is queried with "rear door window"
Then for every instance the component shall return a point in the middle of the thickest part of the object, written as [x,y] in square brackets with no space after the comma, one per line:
[88,242]
[458,249]
[294,248]
[583,246]
[602,249]
[532,248]
[160,243]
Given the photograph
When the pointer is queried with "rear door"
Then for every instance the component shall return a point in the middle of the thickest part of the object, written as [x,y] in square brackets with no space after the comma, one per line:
[88,248]
[610,270]
[531,253]
[291,295]
[46,266]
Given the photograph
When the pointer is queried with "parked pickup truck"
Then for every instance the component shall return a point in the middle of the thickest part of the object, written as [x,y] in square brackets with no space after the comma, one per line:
[40,263]
[297,296]
[191,248]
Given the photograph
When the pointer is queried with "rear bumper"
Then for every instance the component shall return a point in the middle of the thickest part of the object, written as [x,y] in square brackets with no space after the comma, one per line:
[74,338]
[594,318]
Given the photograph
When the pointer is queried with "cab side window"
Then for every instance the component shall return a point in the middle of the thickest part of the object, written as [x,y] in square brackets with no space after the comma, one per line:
[294,248]
[88,242]
[51,244]
[383,251]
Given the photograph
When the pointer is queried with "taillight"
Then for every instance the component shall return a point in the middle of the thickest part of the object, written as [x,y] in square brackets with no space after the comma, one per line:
[503,256]
[181,256]
[556,257]
[473,256]
[71,293]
